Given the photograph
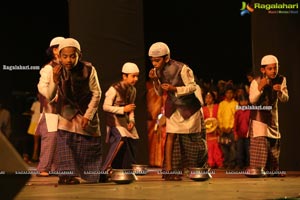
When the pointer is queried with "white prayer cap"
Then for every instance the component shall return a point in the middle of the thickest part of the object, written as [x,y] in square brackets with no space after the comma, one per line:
[269,59]
[69,42]
[158,49]
[129,68]
[56,41]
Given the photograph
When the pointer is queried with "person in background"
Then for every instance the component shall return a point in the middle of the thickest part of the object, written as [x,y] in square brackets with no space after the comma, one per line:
[185,145]
[210,114]
[226,111]
[47,128]
[265,91]
[221,86]
[119,106]
[78,95]
[240,90]
[35,112]
[250,76]
[156,125]
[241,128]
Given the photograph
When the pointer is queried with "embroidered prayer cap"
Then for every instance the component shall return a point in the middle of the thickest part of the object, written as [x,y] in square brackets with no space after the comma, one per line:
[269,59]
[158,49]
[56,41]
[69,42]
[129,68]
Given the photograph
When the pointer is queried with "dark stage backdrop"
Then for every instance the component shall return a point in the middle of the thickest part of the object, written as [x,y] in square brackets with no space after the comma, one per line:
[26,30]
[211,37]
[278,33]
[111,33]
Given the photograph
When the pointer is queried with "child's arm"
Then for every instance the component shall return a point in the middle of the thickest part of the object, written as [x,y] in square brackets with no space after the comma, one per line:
[254,93]
[108,104]
[188,79]
[283,94]
[96,95]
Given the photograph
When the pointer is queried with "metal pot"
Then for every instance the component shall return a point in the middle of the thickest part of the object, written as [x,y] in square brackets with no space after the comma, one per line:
[123,176]
[139,169]
[255,172]
[199,174]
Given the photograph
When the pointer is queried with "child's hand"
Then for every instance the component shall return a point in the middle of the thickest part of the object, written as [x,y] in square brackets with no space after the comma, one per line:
[277,87]
[168,87]
[152,74]
[84,122]
[129,107]
[130,126]
[236,137]
[263,82]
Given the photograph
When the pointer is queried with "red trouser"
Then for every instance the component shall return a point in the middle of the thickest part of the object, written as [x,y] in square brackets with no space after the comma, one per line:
[215,155]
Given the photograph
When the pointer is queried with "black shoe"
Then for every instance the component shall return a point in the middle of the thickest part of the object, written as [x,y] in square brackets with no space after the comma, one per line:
[68,180]
[103,178]
[172,177]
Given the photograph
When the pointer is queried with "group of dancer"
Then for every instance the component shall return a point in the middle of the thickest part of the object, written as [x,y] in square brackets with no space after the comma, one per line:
[70,126]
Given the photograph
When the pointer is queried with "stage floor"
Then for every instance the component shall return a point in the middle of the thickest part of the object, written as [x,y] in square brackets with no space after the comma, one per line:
[223,185]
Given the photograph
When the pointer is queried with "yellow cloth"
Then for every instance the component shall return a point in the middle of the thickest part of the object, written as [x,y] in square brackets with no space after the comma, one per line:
[226,113]
[35,117]
[32,128]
